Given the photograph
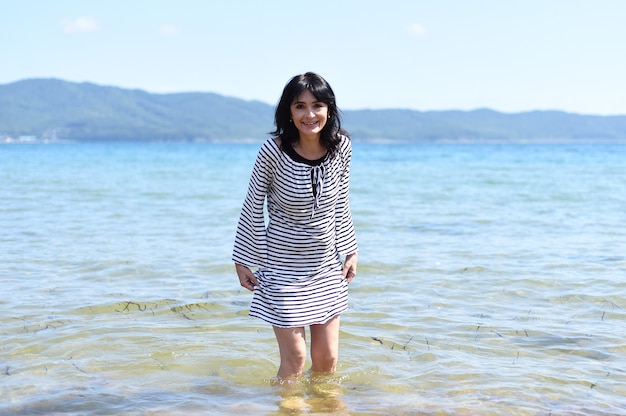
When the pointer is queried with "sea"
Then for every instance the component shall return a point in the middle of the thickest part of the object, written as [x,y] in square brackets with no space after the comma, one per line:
[491,281]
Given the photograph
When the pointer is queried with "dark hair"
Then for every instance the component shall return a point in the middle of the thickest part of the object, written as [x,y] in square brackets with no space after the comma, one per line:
[287,131]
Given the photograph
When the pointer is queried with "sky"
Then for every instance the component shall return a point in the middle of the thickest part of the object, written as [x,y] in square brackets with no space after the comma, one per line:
[506,55]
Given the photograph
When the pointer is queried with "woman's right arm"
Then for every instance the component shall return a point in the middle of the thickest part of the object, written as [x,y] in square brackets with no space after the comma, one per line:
[246,277]
[250,245]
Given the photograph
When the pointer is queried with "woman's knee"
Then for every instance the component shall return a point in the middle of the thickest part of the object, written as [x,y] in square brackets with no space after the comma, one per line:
[291,364]
[324,360]
[292,347]
[296,358]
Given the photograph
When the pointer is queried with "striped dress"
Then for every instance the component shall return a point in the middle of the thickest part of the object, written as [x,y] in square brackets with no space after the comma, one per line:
[298,252]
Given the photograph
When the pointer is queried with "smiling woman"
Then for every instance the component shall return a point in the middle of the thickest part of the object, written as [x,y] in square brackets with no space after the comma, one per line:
[304,175]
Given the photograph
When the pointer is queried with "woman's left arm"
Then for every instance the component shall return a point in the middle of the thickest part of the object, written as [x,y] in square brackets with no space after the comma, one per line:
[349,266]
[346,238]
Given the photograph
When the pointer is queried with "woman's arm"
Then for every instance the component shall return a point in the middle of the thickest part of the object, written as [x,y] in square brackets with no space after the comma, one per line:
[250,244]
[349,266]
[246,277]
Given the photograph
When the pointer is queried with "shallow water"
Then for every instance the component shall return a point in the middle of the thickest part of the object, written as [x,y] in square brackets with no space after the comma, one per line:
[491,281]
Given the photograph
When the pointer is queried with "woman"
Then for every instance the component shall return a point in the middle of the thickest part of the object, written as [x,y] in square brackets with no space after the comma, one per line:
[304,174]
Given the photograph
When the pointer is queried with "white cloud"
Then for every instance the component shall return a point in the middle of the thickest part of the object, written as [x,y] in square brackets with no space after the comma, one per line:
[80,25]
[170,30]
[416,29]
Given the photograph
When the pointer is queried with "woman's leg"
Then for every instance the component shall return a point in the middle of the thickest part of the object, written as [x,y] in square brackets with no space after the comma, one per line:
[292,347]
[325,346]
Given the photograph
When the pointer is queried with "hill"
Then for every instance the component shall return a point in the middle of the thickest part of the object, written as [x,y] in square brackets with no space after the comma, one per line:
[485,125]
[61,110]
[50,108]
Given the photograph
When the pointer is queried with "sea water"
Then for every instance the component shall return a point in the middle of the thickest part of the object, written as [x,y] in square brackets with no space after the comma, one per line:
[491,280]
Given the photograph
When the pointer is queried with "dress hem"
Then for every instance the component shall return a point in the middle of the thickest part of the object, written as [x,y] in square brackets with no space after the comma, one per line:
[298,325]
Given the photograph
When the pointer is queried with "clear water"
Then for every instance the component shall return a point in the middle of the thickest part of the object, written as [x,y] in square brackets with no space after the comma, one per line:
[491,281]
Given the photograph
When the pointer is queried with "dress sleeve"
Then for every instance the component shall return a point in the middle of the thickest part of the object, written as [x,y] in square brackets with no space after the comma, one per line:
[250,246]
[346,237]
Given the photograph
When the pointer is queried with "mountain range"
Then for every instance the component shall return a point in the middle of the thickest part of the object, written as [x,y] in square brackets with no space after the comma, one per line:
[53,109]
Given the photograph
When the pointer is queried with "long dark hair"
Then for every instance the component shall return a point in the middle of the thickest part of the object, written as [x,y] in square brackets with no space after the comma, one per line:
[287,131]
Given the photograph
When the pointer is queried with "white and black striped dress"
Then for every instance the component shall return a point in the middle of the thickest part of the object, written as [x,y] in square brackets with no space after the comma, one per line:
[298,253]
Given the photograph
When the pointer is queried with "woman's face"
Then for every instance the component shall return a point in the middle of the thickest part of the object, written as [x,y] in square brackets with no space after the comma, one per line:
[309,115]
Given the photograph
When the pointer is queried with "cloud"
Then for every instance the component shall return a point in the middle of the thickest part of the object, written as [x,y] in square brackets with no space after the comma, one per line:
[416,29]
[170,30]
[80,25]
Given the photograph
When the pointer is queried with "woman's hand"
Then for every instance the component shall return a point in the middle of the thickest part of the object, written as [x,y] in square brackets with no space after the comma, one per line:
[246,278]
[349,266]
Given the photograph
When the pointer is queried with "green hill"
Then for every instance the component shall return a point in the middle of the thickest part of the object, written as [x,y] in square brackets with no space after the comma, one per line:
[486,125]
[55,109]
[52,108]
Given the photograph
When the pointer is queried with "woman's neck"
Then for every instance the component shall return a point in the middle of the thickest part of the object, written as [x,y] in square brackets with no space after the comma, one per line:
[310,148]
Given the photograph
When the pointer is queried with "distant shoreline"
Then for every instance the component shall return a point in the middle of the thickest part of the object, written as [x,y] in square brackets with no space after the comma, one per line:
[53,110]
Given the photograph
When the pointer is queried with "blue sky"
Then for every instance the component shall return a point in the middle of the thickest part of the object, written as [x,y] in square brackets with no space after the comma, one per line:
[509,56]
